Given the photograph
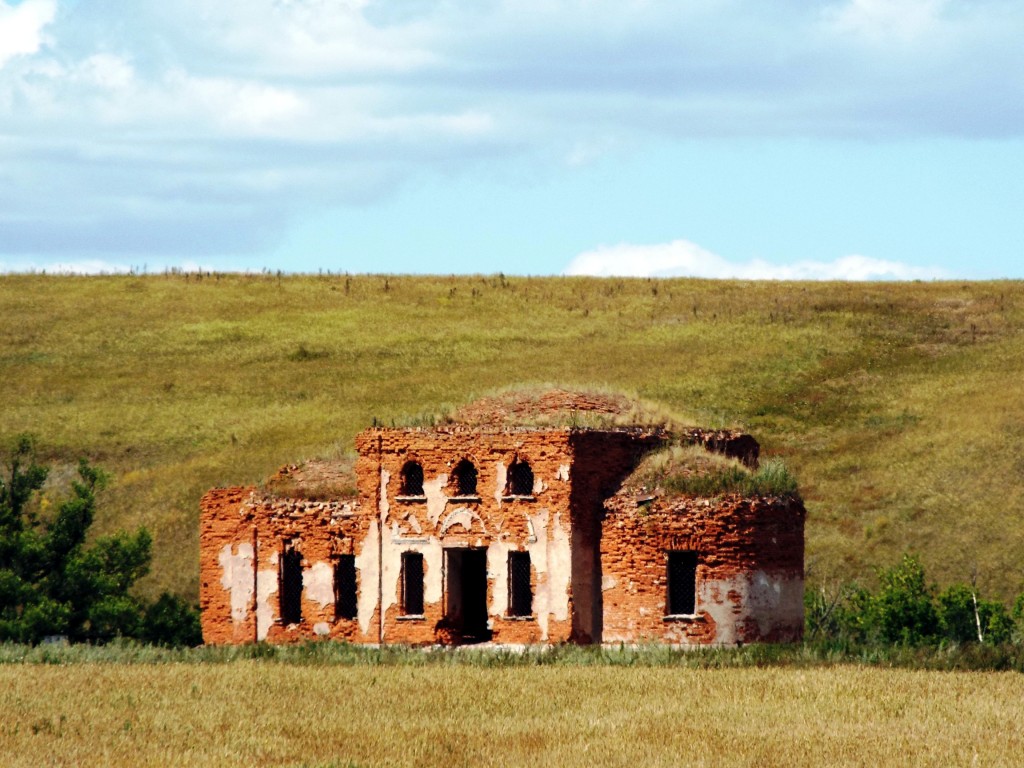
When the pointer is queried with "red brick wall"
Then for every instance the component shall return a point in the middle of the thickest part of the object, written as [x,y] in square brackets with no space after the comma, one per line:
[539,525]
[238,523]
[601,462]
[597,567]
[749,573]
[225,538]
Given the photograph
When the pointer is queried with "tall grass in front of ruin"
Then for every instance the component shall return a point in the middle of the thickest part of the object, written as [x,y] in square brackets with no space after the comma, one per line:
[897,406]
[947,656]
[254,713]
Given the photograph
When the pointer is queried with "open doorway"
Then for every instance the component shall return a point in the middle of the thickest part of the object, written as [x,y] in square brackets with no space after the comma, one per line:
[466,593]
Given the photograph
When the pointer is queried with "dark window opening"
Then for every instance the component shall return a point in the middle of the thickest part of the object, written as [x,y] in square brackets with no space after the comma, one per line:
[290,585]
[520,595]
[412,583]
[345,600]
[412,479]
[682,583]
[520,479]
[464,476]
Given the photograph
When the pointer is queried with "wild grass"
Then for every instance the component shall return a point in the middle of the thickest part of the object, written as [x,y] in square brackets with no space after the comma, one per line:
[690,470]
[315,480]
[898,406]
[944,657]
[255,713]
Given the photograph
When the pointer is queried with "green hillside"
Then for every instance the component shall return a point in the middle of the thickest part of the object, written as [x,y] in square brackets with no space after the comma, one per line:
[900,407]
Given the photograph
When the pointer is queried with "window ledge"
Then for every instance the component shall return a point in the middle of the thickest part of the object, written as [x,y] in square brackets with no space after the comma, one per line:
[464,499]
[519,497]
[520,618]
[680,617]
[412,499]
[411,617]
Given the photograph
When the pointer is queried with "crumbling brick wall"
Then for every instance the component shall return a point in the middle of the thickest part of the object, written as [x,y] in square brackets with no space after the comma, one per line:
[243,536]
[749,576]
[227,581]
[601,461]
[538,523]
[597,559]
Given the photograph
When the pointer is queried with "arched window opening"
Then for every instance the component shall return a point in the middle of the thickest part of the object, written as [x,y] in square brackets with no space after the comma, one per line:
[412,479]
[520,479]
[464,478]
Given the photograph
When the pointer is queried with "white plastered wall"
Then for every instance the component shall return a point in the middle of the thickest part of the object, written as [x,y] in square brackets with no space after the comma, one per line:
[237,579]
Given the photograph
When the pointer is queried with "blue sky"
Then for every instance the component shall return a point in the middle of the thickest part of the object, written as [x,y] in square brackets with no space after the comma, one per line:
[849,139]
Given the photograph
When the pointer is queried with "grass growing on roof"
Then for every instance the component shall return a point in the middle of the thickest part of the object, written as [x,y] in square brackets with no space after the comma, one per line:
[691,470]
[315,480]
[549,405]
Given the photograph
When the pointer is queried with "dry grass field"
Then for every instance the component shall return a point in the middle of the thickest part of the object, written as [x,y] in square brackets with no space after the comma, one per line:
[253,713]
[899,406]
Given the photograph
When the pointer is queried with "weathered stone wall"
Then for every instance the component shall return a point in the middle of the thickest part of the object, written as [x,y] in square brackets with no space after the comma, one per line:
[749,584]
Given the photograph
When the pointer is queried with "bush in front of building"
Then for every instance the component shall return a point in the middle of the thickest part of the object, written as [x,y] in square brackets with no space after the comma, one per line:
[906,609]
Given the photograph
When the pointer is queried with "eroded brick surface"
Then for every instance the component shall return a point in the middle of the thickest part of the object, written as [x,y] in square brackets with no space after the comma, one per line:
[597,559]
[749,580]
[537,523]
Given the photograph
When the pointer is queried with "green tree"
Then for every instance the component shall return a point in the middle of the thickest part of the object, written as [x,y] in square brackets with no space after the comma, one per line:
[904,607]
[962,615]
[51,583]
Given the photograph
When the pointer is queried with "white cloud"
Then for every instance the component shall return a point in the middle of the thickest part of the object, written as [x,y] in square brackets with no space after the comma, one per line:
[248,110]
[21,27]
[681,258]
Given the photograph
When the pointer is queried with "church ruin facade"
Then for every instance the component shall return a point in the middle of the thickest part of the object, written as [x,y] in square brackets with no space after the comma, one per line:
[504,534]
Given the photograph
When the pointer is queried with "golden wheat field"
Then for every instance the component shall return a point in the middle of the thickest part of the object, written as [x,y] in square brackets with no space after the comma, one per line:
[253,713]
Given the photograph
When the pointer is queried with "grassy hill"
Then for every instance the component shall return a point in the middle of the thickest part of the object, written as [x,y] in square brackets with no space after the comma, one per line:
[900,407]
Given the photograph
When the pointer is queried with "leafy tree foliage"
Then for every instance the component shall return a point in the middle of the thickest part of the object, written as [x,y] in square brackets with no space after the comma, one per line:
[171,621]
[51,583]
[908,610]
[964,615]
[903,610]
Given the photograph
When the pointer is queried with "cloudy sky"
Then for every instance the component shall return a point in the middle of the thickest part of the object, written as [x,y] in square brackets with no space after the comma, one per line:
[854,139]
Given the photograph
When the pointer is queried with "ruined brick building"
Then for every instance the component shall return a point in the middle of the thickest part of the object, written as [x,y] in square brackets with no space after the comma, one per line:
[484,529]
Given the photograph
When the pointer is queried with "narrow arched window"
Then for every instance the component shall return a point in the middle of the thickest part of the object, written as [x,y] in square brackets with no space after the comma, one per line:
[464,478]
[520,479]
[412,479]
